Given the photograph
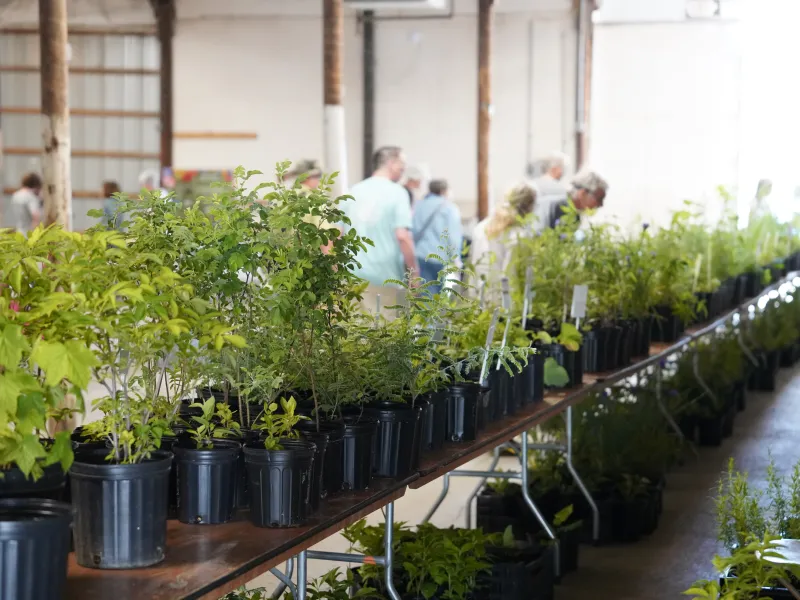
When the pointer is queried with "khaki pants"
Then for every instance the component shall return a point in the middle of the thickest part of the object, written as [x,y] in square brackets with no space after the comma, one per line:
[390,296]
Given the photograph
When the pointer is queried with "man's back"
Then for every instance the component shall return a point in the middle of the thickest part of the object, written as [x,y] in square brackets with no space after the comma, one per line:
[379,207]
[24,203]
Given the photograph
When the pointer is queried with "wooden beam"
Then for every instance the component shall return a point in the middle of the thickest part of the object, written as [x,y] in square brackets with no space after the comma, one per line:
[165,24]
[214,135]
[333,65]
[83,194]
[133,31]
[485,21]
[19,151]
[57,189]
[80,70]
[81,112]
[369,67]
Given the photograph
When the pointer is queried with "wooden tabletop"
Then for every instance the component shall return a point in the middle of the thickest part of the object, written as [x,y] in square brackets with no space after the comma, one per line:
[208,561]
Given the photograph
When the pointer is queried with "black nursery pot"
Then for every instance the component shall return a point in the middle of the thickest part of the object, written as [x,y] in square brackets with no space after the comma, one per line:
[393,449]
[666,326]
[433,423]
[50,486]
[308,431]
[594,349]
[359,435]
[522,573]
[571,361]
[527,383]
[764,377]
[279,483]
[207,481]
[34,544]
[333,468]
[463,404]
[120,510]
[503,402]
[642,339]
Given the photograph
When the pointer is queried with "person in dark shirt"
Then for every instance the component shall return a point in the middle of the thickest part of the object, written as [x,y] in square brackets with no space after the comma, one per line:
[413,184]
[588,192]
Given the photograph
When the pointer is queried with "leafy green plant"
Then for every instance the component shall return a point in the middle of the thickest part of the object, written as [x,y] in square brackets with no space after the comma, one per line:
[243,593]
[277,422]
[335,585]
[216,421]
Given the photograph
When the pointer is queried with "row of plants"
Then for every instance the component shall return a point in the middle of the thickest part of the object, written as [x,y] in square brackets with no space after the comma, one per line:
[238,372]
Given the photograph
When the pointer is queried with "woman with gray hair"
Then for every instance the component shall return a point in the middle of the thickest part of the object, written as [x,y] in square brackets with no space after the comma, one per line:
[588,192]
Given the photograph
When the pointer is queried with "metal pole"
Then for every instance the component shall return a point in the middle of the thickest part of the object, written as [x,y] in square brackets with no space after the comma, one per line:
[302,564]
[368,57]
[479,487]
[485,18]
[580,83]
[334,123]
[53,42]
[284,580]
[579,481]
[440,499]
[526,493]
[388,552]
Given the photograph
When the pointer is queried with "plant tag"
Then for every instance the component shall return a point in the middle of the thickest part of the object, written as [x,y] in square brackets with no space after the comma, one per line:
[489,340]
[580,294]
[506,294]
[526,303]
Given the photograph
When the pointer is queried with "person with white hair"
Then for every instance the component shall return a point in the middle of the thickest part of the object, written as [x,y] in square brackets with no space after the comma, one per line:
[415,176]
[551,183]
[150,180]
[588,192]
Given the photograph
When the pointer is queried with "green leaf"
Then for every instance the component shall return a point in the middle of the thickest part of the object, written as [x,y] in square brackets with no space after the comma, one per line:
[71,360]
[554,374]
[12,345]
[236,341]
[26,454]
[12,384]
[61,451]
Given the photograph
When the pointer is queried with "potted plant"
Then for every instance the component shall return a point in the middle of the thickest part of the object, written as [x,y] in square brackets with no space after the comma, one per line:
[150,336]
[207,465]
[279,468]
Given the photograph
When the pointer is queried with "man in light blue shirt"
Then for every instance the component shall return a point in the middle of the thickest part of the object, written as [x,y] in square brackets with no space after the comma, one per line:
[379,210]
[436,225]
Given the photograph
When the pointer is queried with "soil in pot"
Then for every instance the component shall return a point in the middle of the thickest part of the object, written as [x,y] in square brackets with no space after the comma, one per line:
[359,436]
[433,423]
[396,436]
[207,481]
[120,510]
[308,431]
[34,543]
[280,483]
[463,404]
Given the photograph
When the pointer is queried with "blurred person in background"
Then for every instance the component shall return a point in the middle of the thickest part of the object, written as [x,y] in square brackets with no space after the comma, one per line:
[26,204]
[759,206]
[111,219]
[415,178]
[588,192]
[436,224]
[551,182]
[379,210]
[311,172]
[150,180]
[494,238]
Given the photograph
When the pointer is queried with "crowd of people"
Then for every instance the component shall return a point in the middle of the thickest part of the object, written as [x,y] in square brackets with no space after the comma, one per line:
[413,233]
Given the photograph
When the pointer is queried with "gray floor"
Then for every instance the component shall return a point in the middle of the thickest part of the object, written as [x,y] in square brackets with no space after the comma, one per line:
[666,563]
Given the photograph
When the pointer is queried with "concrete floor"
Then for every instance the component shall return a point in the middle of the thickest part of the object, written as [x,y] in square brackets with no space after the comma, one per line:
[661,566]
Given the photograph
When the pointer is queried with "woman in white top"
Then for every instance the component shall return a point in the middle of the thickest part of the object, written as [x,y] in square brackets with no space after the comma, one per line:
[493,239]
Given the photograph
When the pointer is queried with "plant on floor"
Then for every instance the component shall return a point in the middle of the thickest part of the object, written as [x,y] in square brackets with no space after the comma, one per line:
[216,421]
[336,585]
[747,573]
[277,423]
[243,593]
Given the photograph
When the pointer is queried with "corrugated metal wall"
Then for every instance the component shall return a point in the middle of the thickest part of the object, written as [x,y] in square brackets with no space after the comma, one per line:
[114,101]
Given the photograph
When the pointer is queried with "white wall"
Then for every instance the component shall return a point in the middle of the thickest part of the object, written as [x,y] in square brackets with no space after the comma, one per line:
[262,72]
[666,118]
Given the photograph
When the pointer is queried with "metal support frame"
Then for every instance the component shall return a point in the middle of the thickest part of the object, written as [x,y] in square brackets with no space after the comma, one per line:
[285,580]
[386,561]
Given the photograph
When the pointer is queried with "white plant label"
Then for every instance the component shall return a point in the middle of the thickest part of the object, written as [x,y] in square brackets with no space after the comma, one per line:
[580,295]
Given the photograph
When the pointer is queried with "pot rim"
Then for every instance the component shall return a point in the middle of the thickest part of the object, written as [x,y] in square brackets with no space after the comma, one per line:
[98,468]
[43,514]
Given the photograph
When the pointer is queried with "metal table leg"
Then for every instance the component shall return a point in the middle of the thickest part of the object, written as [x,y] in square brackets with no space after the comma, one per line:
[440,499]
[285,580]
[479,487]
[526,493]
[579,481]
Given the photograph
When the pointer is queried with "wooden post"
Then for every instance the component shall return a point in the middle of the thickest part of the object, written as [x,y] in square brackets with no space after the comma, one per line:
[165,23]
[57,189]
[333,61]
[583,22]
[485,18]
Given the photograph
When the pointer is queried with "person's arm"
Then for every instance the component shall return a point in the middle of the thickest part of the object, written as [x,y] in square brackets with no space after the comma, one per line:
[406,241]
[36,212]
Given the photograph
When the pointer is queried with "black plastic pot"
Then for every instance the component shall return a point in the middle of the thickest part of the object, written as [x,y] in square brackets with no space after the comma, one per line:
[433,423]
[537,360]
[728,418]
[625,343]
[753,285]
[763,378]
[463,403]
[571,361]
[308,431]
[333,469]
[242,493]
[522,573]
[525,383]
[642,340]
[710,430]
[396,437]
[359,436]
[34,545]
[666,326]
[503,401]
[628,519]
[594,349]
[120,510]
[279,483]
[50,486]
[207,481]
